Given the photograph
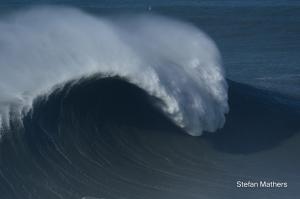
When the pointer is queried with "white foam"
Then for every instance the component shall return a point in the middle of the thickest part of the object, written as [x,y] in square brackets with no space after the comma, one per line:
[47,46]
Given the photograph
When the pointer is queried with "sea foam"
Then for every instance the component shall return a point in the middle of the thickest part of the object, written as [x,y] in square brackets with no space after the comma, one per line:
[45,47]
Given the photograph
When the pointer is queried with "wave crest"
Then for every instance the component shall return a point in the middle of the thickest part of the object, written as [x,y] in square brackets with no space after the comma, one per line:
[173,61]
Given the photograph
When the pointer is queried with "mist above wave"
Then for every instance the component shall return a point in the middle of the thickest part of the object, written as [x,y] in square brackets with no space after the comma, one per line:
[45,47]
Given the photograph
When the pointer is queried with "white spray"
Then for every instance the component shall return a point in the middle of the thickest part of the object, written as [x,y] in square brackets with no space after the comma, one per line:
[47,46]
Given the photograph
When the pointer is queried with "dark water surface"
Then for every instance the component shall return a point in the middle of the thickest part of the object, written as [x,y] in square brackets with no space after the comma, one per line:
[93,142]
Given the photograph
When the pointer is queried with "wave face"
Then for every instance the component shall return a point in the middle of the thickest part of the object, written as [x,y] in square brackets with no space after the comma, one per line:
[44,48]
[105,146]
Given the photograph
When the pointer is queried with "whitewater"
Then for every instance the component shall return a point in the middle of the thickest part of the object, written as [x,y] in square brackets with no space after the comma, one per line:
[43,48]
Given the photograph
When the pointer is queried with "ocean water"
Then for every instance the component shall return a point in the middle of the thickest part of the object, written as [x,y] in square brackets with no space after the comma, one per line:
[149,99]
[258,39]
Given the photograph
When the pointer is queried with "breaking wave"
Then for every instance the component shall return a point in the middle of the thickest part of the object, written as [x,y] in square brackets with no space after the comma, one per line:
[43,49]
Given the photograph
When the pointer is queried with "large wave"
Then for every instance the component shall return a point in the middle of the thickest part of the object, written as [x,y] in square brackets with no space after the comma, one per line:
[42,49]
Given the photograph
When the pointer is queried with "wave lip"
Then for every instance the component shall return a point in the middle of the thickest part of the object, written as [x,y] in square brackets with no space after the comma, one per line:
[45,47]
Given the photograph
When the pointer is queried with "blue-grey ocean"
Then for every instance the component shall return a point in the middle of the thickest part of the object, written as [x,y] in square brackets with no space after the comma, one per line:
[127,99]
